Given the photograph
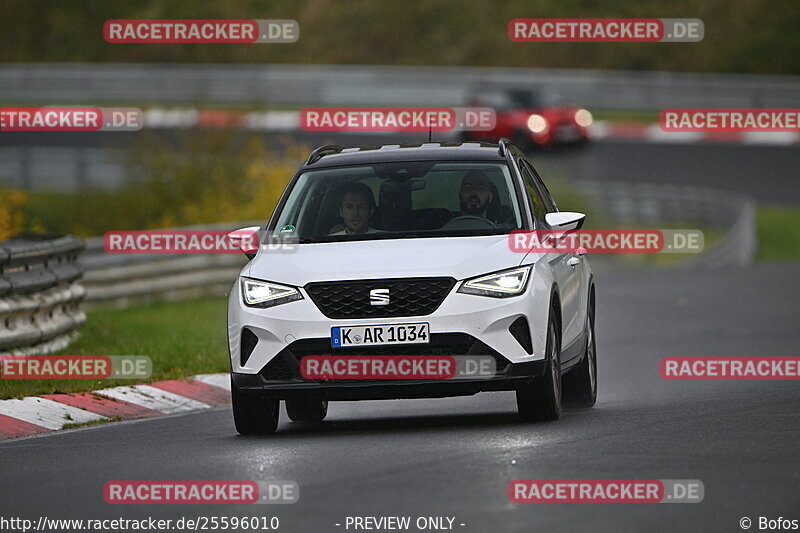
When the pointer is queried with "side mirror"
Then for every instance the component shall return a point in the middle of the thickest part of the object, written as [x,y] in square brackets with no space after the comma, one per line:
[246,240]
[565,220]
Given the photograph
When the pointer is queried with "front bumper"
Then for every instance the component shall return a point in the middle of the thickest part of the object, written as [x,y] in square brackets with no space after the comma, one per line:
[483,320]
[259,384]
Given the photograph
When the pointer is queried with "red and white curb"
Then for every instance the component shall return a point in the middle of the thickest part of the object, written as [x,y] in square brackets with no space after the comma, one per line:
[289,121]
[51,412]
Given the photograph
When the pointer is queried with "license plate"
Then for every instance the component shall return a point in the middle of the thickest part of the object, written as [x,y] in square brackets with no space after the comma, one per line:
[378,335]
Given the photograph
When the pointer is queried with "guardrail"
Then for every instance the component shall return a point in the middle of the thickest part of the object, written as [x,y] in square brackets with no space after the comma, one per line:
[68,168]
[692,207]
[125,280]
[94,83]
[39,294]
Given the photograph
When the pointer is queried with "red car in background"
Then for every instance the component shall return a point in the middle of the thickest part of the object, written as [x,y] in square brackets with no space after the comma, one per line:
[530,117]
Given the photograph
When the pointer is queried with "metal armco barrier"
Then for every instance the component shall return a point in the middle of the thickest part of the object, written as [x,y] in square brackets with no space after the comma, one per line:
[378,85]
[68,167]
[691,207]
[39,293]
[123,280]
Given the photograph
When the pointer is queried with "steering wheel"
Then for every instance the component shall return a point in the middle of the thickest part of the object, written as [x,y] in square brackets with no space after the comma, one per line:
[469,222]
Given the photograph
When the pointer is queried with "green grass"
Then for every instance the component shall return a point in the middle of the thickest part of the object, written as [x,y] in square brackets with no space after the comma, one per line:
[640,117]
[778,233]
[91,423]
[87,213]
[181,338]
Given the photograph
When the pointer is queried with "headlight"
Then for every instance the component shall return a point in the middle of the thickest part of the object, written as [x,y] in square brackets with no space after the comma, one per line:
[498,285]
[583,118]
[537,123]
[257,293]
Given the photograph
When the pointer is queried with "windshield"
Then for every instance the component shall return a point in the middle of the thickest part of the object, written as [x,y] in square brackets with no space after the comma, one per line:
[535,99]
[400,200]
[518,99]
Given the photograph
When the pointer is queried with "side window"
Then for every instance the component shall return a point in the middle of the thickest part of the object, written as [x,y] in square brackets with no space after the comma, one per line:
[533,194]
[549,203]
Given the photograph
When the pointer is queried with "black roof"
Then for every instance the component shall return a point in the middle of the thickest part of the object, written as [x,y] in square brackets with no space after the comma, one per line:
[434,151]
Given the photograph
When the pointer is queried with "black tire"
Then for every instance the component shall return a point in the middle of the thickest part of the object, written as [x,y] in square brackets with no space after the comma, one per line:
[540,400]
[254,415]
[580,385]
[309,410]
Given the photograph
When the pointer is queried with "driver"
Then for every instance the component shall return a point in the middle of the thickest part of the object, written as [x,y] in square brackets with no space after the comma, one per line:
[356,208]
[476,193]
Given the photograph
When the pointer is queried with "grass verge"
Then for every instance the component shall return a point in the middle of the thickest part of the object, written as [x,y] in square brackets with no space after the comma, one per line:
[778,233]
[182,339]
[91,423]
[639,117]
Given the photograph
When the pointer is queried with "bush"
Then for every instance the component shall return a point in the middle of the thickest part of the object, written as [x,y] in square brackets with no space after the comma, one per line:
[12,217]
[200,177]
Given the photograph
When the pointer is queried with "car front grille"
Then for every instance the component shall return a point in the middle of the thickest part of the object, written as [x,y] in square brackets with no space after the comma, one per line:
[407,297]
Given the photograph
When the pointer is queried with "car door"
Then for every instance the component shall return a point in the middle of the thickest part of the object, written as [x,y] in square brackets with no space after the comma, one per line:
[568,267]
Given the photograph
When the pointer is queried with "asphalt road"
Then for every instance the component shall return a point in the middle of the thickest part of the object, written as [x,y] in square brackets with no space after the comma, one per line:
[455,457]
[767,173]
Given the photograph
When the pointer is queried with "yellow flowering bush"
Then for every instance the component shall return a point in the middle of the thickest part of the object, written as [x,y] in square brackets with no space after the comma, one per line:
[12,216]
[213,177]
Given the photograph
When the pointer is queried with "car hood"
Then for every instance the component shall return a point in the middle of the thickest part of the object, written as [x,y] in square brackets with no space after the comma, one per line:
[458,257]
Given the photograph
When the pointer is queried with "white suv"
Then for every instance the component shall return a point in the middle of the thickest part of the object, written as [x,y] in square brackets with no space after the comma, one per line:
[403,252]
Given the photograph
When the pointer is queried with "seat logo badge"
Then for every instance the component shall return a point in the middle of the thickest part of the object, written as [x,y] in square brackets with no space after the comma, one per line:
[379,297]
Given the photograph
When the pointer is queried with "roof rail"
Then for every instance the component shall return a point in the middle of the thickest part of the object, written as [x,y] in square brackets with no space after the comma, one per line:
[502,148]
[322,151]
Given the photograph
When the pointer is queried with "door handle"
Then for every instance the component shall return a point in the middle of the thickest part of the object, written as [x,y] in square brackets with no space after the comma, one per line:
[574,261]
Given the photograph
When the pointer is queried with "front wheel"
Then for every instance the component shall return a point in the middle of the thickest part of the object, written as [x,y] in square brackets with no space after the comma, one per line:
[254,415]
[541,400]
[580,385]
